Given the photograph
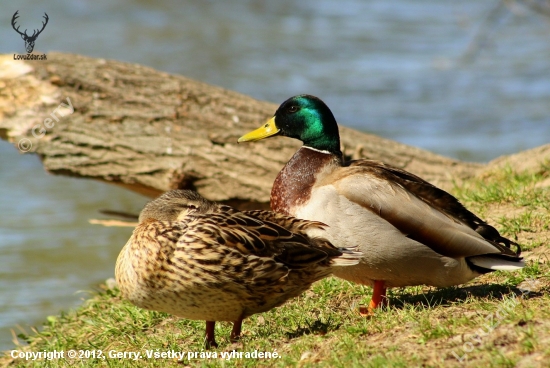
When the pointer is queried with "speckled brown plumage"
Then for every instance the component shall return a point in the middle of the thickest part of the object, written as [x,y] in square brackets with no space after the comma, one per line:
[199,260]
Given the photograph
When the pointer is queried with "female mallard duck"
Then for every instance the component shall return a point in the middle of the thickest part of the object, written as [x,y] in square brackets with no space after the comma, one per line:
[200,260]
[410,232]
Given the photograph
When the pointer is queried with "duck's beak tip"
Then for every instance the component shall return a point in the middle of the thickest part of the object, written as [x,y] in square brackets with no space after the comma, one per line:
[269,129]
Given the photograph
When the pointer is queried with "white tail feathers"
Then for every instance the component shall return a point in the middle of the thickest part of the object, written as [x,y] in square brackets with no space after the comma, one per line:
[497,263]
[349,257]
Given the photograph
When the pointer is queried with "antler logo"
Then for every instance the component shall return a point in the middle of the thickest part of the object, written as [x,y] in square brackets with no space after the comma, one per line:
[29,40]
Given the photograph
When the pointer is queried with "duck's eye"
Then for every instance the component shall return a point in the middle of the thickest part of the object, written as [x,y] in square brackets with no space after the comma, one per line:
[292,108]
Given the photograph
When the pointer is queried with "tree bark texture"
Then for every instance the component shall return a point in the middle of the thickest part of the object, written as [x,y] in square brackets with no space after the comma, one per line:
[151,131]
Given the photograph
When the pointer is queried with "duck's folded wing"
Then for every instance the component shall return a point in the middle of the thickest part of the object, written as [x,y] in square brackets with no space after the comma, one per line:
[414,214]
[252,236]
[437,198]
[293,224]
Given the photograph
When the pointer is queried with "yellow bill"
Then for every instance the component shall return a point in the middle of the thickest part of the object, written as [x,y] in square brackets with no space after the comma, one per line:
[267,130]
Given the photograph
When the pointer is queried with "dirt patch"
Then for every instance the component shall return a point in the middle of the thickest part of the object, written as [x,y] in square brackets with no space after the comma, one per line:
[533,160]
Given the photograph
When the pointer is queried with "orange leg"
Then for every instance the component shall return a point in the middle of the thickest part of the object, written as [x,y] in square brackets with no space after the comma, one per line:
[236,331]
[210,338]
[378,296]
[378,299]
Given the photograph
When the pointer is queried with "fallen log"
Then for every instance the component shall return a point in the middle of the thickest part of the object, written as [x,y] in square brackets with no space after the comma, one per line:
[151,131]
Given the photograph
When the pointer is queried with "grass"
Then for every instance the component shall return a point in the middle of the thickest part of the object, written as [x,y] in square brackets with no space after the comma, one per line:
[498,320]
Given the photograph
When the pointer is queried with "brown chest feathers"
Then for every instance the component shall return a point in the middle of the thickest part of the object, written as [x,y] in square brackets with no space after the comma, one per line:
[293,185]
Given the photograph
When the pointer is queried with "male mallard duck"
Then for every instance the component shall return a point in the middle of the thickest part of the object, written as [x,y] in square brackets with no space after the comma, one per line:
[410,232]
[200,260]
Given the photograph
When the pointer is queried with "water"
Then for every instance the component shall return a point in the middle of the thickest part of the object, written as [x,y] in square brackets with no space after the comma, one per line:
[49,251]
[388,67]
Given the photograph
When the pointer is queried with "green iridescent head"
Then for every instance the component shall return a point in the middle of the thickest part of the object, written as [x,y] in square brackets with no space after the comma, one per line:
[303,117]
